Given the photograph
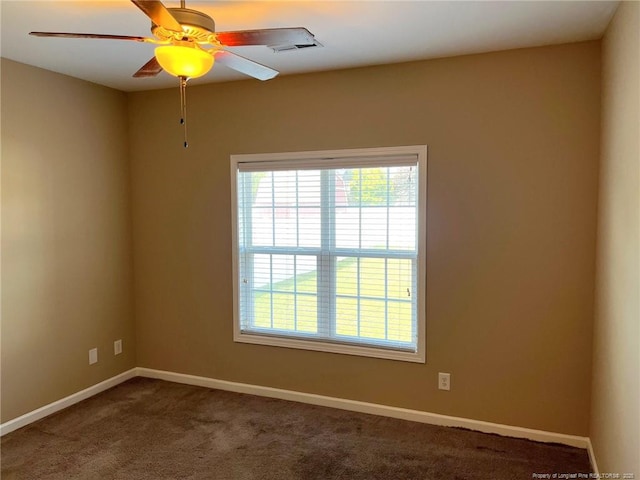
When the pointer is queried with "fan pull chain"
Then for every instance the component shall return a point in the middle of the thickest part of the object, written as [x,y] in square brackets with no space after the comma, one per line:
[183,107]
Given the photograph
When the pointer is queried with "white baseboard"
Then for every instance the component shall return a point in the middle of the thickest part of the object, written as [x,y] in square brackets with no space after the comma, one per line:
[592,457]
[65,402]
[309,398]
[371,408]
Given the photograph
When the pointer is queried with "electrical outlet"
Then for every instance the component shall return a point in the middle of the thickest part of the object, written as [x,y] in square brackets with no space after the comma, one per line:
[93,356]
[444,381]
[117,347]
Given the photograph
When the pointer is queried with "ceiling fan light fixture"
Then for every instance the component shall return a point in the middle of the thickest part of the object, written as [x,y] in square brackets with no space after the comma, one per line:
[182,32]
[184,61]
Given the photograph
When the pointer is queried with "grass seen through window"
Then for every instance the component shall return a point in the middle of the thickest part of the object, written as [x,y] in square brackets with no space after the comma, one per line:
[377,288]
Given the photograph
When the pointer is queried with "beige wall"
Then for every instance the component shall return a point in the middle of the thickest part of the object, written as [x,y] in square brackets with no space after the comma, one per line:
[66,236]
[513,161]
[615,418]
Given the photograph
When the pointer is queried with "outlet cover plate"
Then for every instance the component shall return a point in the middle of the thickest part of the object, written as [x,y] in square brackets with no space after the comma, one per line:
[93,356]
[444,381]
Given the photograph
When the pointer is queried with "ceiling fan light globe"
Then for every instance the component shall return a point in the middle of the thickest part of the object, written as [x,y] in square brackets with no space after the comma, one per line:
[181,61]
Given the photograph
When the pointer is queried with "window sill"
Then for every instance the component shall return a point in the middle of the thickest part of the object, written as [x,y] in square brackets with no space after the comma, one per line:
[319,346]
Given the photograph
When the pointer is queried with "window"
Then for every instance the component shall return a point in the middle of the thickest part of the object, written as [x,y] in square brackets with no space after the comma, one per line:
[329,251]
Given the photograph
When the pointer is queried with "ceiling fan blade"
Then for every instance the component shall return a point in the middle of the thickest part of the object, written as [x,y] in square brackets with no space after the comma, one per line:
[89,35]
[267,36]
[158,14]
[149,69]
[244,65]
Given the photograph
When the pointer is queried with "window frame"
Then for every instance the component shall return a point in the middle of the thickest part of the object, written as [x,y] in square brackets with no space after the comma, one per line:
[419,356]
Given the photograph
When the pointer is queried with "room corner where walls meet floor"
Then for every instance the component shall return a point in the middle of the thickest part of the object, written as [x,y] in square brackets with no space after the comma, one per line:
[307,398]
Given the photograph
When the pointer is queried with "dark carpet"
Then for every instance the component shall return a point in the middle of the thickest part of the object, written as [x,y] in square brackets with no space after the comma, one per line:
[151,429]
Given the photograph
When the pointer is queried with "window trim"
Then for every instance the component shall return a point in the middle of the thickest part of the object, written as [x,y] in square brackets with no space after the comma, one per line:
[419,356]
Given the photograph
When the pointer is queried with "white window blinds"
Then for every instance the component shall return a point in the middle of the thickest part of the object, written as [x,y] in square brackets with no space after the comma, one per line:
[327,251]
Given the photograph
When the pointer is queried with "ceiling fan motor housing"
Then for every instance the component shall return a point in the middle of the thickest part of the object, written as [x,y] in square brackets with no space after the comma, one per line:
[196,25]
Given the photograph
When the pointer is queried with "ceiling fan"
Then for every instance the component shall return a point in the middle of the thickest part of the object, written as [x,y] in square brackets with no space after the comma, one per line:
[188,44]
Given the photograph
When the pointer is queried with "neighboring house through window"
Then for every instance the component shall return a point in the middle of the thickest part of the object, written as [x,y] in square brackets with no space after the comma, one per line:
[329,250]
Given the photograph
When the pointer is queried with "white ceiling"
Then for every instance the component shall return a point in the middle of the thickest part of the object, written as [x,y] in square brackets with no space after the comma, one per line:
[354,33]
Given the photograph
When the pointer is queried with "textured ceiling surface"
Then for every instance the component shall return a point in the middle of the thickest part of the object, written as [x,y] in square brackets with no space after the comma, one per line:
[353,33]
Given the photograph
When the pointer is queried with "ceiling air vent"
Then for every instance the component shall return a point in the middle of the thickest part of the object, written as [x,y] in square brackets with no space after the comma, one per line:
[287,48]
